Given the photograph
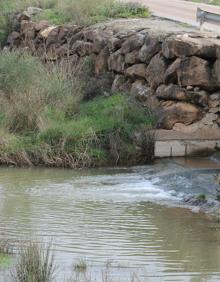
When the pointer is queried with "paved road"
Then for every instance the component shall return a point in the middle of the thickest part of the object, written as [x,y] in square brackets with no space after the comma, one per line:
[178,10]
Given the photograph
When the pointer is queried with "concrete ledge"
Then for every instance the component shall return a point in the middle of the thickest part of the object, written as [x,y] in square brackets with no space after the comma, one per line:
[170,143]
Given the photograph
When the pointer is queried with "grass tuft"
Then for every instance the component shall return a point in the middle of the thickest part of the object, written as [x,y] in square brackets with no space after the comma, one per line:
[35,264]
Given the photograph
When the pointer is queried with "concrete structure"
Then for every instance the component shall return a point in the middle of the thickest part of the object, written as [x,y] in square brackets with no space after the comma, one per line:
[175,144]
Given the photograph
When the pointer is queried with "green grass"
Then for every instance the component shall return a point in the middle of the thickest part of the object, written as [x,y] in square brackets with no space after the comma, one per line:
[5,260]
[45,120]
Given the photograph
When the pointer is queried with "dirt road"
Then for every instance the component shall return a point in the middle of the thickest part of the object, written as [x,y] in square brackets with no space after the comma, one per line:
[182,11]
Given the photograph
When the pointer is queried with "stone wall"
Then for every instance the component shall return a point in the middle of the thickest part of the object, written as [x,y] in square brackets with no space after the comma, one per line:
[176,74]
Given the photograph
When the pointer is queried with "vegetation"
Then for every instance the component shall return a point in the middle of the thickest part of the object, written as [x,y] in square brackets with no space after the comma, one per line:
[4,252]
[201,198]
[80,265]
[81,12]
[45,118]
[35,264]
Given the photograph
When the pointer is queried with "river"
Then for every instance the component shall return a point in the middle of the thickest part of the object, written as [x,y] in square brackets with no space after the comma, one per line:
[132,219]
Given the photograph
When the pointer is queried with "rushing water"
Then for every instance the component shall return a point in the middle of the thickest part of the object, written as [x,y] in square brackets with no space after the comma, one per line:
[129,216]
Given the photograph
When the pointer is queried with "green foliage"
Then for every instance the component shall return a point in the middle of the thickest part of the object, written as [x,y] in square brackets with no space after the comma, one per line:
[53,16]
[201,198]
[44,120]
[4,260]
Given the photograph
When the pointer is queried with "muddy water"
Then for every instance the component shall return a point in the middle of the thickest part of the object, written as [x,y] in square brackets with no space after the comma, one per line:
[128,218]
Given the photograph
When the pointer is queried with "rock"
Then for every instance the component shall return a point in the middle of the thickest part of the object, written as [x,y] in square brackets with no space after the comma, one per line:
[132,57]
[41,25]
[62,35]
[114,43]
[171,73]
[120,83]
[99,43]
[45,32]
[156,71]
[185,46]
[171,92]
[75,37]
[101,61]
[141,90]
[63,51]
[132,43]
[97,86]
[217,70]
[214,110]
[194,71]
[213,103]
[82,48]
[187,128]
[198,97]
[209,118]
[177,112]
[138,70]
[151,47]
[52,37]
[215,97]
[28,29]
[25,16]
[90,34]
[116,62]
[32,11]
[14,38]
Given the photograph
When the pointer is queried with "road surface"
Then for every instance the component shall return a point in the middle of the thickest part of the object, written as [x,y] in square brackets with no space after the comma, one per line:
[178,10]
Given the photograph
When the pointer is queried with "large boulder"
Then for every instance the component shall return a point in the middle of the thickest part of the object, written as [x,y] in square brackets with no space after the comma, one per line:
[156,70]
[172,112]
[185,46]
[195,71]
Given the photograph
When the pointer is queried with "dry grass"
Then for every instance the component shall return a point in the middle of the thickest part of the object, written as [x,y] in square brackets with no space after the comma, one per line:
[35,264]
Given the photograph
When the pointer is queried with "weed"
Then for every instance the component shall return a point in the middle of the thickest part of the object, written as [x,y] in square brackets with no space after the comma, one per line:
[80,265]
[34,264]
